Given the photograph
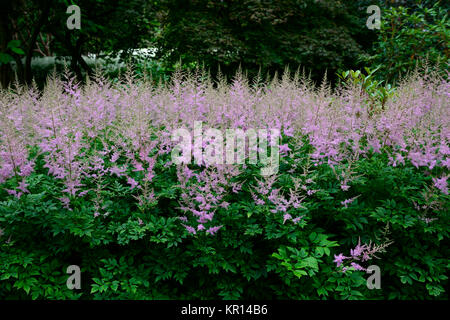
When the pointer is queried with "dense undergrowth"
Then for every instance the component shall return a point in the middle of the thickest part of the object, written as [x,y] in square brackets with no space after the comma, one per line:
[86,179]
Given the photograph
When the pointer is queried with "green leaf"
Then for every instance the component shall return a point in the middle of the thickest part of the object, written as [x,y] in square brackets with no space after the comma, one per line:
[5,58]
[18,50]
[300,273]
[13,44]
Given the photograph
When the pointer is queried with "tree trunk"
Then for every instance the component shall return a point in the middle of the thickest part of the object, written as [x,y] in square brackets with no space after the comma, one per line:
[31,45]
[5,36]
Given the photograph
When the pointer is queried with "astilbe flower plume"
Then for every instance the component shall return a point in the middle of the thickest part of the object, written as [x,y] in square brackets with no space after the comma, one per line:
[87,132]
[363,253]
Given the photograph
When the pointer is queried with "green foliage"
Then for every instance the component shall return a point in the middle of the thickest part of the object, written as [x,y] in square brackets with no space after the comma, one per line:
[376,93]
[317,35]
[410,38]
[13,46]
[255,255]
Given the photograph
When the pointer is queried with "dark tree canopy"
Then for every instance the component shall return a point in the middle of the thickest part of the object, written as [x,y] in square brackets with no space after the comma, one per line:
[318,35]
[256,35]
[107,26]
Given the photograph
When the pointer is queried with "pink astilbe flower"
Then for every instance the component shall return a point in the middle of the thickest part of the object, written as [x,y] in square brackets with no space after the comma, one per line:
[23,187]
[356,253]
[446,163]
[133,183]
[224,205]
[346,202]
[117,171]
[13,158]
[190,229]
[72,187]
[66,202]
[114,157]
[297,219]
[14,193]
[362,253]
[213,230]
[137,166]
[102,132]
[286,217]
[357,266]
[338,259]
[284,149]
[441,184]
[399,159]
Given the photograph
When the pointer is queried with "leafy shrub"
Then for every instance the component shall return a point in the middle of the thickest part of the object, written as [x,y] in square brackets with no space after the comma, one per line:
[87,179]
[410,39]
[268,35]
[376,93]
